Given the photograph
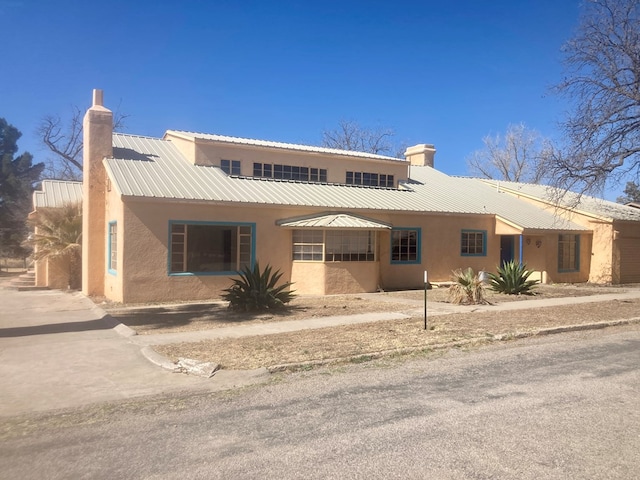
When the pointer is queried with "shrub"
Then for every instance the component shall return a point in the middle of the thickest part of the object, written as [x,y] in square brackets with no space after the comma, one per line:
[255,290]
[58,233]
[467,288]
[512,279]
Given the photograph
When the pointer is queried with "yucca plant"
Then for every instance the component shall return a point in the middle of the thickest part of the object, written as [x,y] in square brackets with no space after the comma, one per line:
[256,290]
[513,279]
[58,233]
[468,287]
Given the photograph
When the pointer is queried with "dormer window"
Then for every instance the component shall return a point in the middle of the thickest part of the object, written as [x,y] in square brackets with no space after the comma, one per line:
[290,172]
[230,167]
[369,179]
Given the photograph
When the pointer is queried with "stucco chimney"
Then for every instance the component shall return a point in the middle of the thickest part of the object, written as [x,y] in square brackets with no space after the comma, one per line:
[97,144]
[98,97]
[421,155]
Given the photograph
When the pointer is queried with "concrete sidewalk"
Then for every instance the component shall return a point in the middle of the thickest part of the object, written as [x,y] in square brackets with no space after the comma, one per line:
[406,308]
[58,350]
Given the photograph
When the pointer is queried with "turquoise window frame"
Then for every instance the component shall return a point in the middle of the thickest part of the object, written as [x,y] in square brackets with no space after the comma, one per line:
[110,269]
[484,243]
[252,261]
[418,259]
[576,253]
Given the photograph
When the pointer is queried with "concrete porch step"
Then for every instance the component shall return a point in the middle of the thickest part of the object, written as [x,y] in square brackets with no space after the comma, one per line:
[26,281]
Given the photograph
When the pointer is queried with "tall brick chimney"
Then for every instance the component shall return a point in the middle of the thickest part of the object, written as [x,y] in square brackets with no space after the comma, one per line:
[97,144]
[421,155]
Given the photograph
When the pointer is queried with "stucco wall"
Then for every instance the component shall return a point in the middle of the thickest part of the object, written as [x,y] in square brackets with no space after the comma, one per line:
[598,263]
[581,276]
[143,252]
[143,238]
[146,238]
[308,278]
[57,272]
[203,153]
[351,277]
[113,281]
[534,255]
[40,270]
[627,248]
[440,253]
[604,265]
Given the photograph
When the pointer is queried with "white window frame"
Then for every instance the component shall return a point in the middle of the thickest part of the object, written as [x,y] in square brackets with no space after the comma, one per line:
[330,246]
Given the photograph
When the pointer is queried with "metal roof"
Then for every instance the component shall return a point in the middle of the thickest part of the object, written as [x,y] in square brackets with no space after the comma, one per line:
[57,193]
[583,203]
[154,168]
[333,220]
[279,145]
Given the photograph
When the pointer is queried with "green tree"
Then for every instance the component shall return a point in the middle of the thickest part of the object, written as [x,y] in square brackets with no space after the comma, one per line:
[18,177]
[631,193]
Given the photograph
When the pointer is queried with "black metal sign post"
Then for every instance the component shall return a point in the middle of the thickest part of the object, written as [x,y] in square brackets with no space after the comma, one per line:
[425,299]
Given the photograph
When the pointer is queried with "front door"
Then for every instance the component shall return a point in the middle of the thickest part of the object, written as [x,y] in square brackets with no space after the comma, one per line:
[507,243]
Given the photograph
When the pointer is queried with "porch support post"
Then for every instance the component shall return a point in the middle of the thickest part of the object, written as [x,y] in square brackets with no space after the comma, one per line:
[520,249]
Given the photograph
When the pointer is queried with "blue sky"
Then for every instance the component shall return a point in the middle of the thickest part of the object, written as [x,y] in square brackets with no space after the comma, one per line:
[441,72]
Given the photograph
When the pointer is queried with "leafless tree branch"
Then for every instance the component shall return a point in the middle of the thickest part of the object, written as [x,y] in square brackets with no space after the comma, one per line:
[349,135]
[521,155]
[603,82]
[64,141]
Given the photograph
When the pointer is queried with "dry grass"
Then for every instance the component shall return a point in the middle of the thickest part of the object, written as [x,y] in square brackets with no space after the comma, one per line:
[369,339]
[389,336]
[184,317]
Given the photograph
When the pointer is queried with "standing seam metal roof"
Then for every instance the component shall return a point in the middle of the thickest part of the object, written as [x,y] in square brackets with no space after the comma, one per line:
[279,145]
[155,168]
[585,203]
[333,220]
[57,193]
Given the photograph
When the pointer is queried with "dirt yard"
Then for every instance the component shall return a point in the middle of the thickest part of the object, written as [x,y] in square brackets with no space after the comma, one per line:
[363,341]
[185,317]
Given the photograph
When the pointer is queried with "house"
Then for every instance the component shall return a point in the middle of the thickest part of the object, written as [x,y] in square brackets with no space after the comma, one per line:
[615,228]
[52,271]
[174,218]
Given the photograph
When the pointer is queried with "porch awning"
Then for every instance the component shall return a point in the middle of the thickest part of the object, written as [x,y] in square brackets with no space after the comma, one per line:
[505,227]
[333,220]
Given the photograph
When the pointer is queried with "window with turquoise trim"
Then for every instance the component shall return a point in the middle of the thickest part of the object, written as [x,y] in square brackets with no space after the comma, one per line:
[405,245]
[113,247]
[202,248]
[568,252]
[334,245]
[473,243]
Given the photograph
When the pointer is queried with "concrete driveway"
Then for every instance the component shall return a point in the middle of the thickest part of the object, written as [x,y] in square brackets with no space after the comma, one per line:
[58,350]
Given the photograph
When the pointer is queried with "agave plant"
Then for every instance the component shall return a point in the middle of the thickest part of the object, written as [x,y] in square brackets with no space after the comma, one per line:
[513,279]
[255,290]
[468,287]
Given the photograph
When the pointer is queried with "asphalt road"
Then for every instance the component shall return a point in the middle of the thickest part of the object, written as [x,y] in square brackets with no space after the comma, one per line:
[561,407]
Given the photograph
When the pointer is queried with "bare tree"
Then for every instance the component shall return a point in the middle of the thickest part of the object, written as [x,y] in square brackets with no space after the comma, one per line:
[520,155]
[349,135]
[64,140]
[603,82]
